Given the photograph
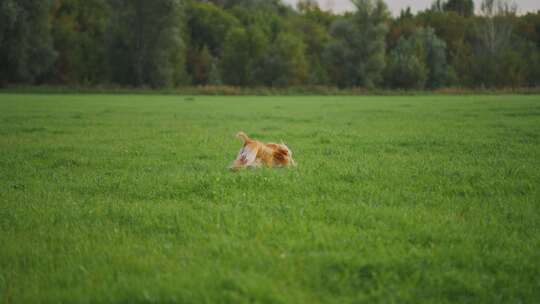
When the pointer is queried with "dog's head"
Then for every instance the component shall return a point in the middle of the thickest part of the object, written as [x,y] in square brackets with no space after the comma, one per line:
[283,155]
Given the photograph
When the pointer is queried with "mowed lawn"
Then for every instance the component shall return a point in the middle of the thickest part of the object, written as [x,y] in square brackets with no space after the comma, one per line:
[127,199]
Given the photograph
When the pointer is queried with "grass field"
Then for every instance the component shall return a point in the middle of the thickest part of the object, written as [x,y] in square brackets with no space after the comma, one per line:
[126,199]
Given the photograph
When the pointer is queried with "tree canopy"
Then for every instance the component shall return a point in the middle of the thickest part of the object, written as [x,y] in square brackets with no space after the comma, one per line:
[168,43]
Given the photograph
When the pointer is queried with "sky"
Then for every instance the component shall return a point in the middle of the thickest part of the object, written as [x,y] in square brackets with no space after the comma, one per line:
[396,5]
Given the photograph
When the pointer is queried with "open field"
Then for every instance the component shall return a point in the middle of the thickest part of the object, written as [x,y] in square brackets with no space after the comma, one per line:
[126,199]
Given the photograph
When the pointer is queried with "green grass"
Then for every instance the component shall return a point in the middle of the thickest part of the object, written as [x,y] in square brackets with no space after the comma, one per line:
[126,199]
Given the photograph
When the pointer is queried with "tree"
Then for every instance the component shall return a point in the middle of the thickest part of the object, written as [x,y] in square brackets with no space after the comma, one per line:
[200,65]
[462,7]
[528,27]
[284,63]
[26,49]
[370,19]
[162,43]
[356,54]
[274,6]
[495,29]
[404,25]
[214,75]
[432,52]
[493,47]
[405,69]
[267,21]
[304,6]
[78,30]
[437,6]
[458,34]
[235,62]
[339,56]
[419,61]
[533,65]
[314,36]
[243,53]
[528,30]
[145,45]
[208,25]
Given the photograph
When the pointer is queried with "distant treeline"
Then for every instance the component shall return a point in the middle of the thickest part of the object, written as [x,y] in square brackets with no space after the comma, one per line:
[266,43]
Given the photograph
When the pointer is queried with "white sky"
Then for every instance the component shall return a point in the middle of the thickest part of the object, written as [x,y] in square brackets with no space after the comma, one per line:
[396,5]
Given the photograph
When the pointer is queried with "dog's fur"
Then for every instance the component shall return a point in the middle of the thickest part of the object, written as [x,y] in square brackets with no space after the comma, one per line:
[255,154]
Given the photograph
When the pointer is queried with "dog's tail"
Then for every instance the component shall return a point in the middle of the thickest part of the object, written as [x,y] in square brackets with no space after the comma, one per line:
[243,136]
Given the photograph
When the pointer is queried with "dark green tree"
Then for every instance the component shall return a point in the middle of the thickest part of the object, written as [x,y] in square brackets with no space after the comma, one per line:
[243,54]
[356,54]
[200,64]
[284,62]
[339,56]
[431,52]
[145,45]
[462,7]
[371,19]
[208,25]
[405,69]
[418,61]
[495,45]
[26,49]
[236,58]
[78,30]
[314,36]
[459,35]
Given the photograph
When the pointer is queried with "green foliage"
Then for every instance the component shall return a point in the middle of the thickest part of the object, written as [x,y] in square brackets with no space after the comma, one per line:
[340,57]
[315,37]
[78,30]
[405,68]
[462,7]
[267,21]
[127,199]
[403,26]
[236,57]
[515,65]
[171,43]
[284,62]
[26,49]
[200,65]
[532,64]
[432,51]
[145,44]
[208,26]
[272,6]
[502,57]
[528,27]
[418,62]
[214,75]
[458,34]
[356,56]
[371,18]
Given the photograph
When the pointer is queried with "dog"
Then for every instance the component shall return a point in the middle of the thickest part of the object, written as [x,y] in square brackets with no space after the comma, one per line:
[255,154]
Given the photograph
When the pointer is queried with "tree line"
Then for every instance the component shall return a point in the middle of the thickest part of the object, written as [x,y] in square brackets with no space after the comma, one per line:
[170,43]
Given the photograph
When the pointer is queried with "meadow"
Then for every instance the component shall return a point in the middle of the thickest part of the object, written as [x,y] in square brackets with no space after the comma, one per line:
[127,199]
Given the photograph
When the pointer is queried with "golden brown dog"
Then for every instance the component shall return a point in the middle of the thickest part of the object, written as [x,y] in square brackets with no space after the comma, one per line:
[255,154]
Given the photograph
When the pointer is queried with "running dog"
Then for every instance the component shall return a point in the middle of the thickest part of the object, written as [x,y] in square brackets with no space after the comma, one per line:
[256,154]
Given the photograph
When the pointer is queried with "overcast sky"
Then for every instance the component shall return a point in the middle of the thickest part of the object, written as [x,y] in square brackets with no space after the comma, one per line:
[397,5]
